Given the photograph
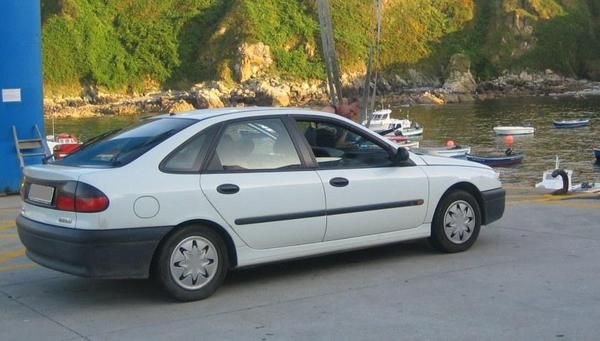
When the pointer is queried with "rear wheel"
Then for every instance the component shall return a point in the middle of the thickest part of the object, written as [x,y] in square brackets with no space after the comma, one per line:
[192,263]
[456,222]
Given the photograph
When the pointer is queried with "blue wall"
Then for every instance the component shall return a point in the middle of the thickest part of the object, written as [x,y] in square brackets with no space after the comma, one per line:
[20,68]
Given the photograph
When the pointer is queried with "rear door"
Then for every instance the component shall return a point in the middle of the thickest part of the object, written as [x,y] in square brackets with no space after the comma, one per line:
[258,182]
[365,193]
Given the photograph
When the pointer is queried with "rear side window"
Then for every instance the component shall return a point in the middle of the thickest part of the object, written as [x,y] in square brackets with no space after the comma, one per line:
[262,144]
[121,147]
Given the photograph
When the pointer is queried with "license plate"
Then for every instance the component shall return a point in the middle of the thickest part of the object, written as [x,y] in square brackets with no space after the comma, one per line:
[40,193]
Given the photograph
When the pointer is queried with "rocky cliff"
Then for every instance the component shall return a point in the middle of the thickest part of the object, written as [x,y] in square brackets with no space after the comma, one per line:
[271,47]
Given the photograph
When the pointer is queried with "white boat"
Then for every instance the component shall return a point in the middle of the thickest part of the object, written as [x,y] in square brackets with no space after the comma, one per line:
[382,120]
[410,131]
[454,151]
[409,144]
[552,181]
[513,130]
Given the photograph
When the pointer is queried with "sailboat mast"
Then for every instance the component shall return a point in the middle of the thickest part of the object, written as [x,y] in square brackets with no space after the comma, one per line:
[329,53]
[374,53]
[379,13]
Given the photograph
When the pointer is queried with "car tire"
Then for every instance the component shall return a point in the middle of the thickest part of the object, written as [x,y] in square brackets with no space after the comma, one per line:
[192,263]
[456,222]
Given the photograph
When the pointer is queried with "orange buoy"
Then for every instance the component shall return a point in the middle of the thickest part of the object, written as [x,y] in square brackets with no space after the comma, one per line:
[509,139]
[450,143]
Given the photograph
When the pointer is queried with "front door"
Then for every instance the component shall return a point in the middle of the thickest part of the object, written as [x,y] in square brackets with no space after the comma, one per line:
[258,184]
[365,193]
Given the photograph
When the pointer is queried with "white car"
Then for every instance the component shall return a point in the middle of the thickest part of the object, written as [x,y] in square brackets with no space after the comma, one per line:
[188,197]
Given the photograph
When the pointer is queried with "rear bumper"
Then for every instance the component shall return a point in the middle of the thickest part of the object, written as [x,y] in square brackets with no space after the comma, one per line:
[119,253]
[494,202]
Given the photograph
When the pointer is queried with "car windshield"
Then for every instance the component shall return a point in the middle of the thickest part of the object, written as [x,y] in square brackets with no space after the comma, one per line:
[119,147]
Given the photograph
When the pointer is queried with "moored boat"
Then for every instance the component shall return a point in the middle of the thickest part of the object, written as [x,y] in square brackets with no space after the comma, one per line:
[410,131]
[559,181]
[62,138]
[396,138]
[571,123]
[409,144]
[451,151]
[513,130]
[507,159]
[553,180]
[597,153]
[381,121]
[63,144]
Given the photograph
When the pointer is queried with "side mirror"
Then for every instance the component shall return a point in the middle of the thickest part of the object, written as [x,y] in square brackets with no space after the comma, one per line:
[400,156]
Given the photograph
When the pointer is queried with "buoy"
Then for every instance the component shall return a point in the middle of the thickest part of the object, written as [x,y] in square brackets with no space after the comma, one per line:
[450,143]
[509,139]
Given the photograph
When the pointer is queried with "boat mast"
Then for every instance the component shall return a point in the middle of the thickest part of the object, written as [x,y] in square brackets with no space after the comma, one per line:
[329,54]
[374,53]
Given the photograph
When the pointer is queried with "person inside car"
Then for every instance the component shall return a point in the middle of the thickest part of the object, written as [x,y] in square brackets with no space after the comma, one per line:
[348,109]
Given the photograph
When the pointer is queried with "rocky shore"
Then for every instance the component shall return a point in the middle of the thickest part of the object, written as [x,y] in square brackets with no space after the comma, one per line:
[413,88]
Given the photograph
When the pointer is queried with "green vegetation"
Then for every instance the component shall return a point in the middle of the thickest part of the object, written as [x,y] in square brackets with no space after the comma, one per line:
[131,45]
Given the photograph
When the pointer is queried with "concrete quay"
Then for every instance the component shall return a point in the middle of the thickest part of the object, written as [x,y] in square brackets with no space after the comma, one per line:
[533,275]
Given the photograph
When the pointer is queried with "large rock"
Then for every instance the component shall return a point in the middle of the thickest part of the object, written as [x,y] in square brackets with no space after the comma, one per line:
[459,79]
[429,98]
[278,95]
[208,98]
[179,105]
[252,59]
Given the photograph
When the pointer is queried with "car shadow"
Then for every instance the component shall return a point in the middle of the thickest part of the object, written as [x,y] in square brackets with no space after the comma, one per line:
[337,261]
[72,290]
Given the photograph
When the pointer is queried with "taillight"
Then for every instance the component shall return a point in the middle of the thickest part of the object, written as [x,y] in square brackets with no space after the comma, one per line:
[89,199]
[80,197]
[65,196]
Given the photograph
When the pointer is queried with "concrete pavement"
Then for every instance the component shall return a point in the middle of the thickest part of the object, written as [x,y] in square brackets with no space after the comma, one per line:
[535,274]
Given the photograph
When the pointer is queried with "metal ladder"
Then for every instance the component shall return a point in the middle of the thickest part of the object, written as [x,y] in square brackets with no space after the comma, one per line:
[30,147]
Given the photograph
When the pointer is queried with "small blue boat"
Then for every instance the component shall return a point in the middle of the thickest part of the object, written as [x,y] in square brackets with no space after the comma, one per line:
[597,153]
[509,158]
[572,123]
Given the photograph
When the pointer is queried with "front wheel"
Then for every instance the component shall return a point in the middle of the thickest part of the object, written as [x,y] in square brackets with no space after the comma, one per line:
[456,222]
[192,263]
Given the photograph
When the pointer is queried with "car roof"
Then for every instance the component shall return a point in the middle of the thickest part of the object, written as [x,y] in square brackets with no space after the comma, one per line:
[203,114]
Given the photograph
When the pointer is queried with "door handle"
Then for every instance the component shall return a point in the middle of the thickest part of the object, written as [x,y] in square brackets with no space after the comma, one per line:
[228,189]
[339,182]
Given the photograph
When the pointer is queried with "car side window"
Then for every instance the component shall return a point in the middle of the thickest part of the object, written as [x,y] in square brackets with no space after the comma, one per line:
[335,146]
[188,157]
[261,144]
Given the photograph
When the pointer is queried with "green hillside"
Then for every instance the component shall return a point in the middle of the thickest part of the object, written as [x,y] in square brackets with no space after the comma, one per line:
[130,45]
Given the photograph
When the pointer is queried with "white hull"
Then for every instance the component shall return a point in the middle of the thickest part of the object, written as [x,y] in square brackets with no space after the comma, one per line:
[410,131]
[514,130]
[447,152]
[381,120]
[409,144]
[551,183]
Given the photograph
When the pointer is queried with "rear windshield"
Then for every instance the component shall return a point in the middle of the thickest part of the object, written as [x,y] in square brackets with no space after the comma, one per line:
[117,148]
